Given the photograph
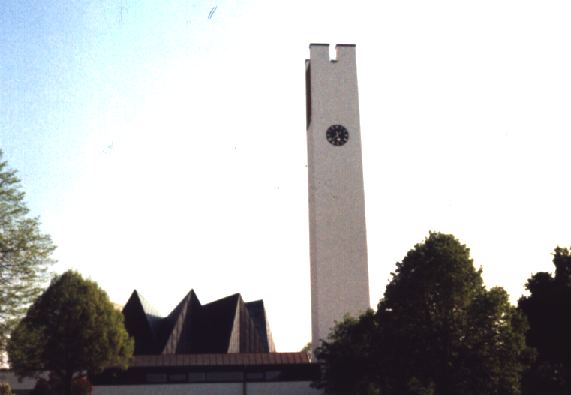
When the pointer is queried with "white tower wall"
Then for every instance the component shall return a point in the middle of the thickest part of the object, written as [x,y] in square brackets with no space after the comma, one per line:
[338,241]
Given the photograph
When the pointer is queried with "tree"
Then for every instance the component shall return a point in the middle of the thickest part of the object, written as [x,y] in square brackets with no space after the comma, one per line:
[72,327]
[349,365]
[307,349]
[548,310]
[24,253]
[437,331]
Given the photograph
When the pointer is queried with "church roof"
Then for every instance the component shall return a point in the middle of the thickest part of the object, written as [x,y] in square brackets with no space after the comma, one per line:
[227,325]
[241,359]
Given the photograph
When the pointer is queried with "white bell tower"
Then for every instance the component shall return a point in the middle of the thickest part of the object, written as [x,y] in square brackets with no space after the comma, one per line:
[338,240]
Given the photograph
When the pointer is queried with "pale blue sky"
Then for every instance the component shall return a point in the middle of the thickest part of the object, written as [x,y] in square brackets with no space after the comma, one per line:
[163,143]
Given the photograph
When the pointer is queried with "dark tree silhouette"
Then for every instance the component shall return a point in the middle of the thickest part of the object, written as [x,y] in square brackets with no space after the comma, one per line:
[437,331]
[548,310]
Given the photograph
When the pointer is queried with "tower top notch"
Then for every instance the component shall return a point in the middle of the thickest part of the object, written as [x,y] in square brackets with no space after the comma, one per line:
[321,51]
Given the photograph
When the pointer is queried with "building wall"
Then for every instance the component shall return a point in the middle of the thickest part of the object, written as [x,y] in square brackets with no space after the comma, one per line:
[338,242]
[275,388]
[246,388]
[23,386]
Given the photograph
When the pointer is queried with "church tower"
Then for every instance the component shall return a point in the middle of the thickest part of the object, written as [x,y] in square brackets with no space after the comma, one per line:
[338,240]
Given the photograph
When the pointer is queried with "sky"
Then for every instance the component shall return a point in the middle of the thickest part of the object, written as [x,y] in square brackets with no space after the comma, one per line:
[163,144]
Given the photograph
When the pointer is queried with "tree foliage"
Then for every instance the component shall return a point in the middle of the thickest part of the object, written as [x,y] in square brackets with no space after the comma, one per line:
[437,331]
[72,327]
[548,310]
[350,366]
[24,253]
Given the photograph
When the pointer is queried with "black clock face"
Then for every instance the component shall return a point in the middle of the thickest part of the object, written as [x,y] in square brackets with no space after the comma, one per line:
[337,135]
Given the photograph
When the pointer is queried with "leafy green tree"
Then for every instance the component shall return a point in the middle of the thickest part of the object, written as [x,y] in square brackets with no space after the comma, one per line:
[437,331]
[24,254]
[307,349]
[72,327]
[349,364]
[443,329]
[548,310]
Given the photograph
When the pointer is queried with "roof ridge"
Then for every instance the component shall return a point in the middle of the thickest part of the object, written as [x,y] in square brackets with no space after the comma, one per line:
[226,298]
[184,300]
[148,308]
[180,325]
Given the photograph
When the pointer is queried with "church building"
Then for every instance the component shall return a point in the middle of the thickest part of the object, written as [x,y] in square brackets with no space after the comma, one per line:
[226,346]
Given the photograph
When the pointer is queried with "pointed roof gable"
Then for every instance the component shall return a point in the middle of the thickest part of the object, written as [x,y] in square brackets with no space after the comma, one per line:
[214,326]
[227,325]
[140,325]
[257,313]
[178,327]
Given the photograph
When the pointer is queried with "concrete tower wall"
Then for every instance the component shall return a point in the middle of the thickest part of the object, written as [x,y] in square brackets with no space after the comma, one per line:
[338,241]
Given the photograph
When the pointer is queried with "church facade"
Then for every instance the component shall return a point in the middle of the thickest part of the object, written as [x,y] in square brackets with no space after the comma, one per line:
[223,347]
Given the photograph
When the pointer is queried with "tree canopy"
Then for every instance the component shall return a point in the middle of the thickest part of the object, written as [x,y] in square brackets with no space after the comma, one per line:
[72,327]
[348,357]
[437,331]
[24,253]
[548,310]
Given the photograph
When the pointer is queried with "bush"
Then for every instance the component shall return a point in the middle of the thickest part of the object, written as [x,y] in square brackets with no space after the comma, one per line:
[5,389]
[42,387]
[81,386]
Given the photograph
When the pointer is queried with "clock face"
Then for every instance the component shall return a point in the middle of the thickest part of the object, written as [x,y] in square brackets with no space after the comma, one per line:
[337,135]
